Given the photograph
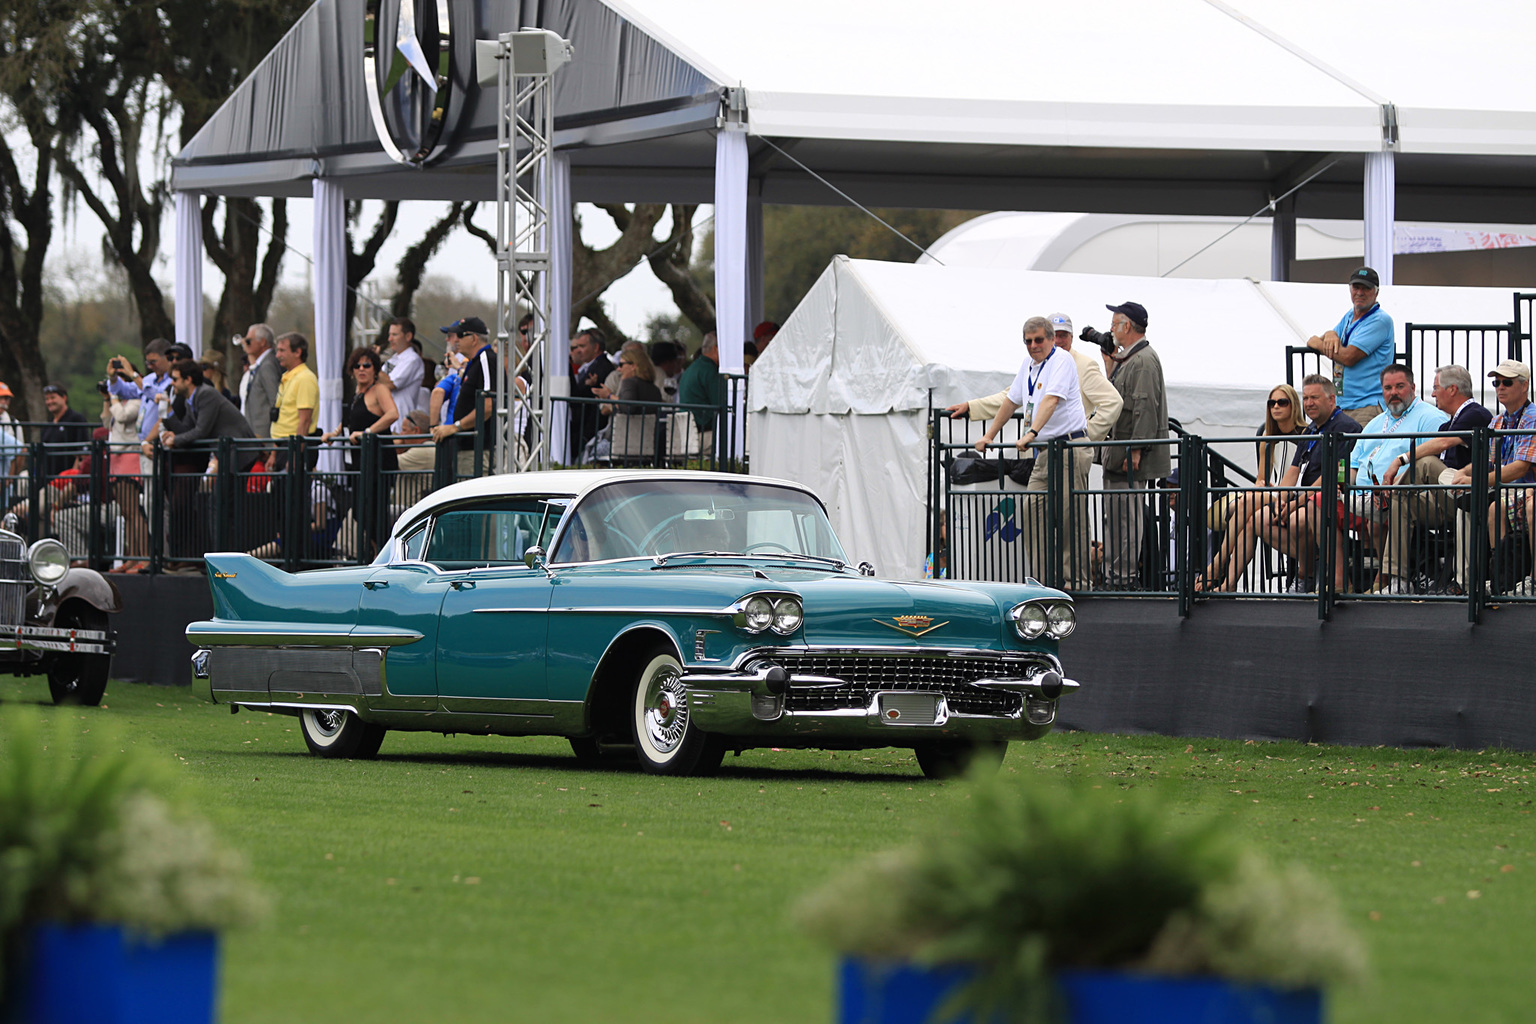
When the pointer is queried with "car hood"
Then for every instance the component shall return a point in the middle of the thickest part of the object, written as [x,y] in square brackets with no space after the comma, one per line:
[842,609]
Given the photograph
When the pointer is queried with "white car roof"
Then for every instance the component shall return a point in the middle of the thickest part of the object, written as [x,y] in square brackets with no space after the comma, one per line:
[572,483]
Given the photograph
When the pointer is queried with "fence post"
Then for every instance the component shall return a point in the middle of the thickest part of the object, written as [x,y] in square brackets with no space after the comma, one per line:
[1054,486]
[295,519]
[95,504]
[224,494]
[1477,541]
[1189,523]
[34,491]
[480,431]
[159,480]
[1327,526]
[366,492]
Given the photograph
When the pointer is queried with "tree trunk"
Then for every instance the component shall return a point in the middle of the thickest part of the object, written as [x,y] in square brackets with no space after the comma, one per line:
[22,366]
[361,263]
[672,264]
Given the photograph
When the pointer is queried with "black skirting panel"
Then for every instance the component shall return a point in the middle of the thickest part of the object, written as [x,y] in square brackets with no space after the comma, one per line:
[151,629]
[1401,674]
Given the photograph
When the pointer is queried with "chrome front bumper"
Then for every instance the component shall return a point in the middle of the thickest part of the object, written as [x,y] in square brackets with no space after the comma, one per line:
[755,704]
[51,638]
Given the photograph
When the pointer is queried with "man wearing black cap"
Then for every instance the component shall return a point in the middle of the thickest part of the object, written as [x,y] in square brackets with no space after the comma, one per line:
[1137,374]
[1362,344]
[479,376]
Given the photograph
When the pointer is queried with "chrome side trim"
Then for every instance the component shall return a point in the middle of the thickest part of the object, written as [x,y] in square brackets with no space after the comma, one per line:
[271,636]
[715,613]
[497,611]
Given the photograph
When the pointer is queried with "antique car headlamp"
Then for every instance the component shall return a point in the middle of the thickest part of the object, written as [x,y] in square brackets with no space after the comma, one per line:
[48,561]
[758,613]
[787,615]
[1029,620]
[1060,621]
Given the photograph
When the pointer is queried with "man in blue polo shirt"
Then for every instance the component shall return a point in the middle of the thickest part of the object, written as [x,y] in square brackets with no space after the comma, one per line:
[1376,460]
[1363,345]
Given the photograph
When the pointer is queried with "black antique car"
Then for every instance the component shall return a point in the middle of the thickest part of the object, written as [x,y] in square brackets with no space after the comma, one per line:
[53,619]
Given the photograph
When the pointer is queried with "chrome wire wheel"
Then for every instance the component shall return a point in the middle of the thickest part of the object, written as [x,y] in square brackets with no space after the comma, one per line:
[666,740]
[666,708]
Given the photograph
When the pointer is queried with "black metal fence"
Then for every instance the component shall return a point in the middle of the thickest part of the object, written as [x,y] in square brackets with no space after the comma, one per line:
[298,502]
[1209,531]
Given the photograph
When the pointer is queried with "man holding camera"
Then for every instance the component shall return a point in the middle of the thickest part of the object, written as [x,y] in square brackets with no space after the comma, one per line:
[1137,375]
[127,384]
[1101,407]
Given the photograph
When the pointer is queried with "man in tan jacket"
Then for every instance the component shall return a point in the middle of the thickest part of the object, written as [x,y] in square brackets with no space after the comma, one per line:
[1101,405]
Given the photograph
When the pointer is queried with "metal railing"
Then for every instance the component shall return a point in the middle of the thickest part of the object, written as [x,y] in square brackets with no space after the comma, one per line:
[1209,531]
[298,502]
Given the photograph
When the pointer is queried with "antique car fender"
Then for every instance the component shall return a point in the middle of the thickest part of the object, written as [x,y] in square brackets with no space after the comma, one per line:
[88,585]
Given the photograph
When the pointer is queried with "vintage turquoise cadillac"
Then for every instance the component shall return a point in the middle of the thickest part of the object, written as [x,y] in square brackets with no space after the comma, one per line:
[684,614]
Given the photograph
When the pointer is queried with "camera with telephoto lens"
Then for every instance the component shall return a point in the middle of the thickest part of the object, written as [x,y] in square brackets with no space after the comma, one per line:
[1099,338]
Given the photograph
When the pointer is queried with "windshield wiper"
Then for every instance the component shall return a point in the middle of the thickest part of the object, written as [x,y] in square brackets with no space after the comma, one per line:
[662,560]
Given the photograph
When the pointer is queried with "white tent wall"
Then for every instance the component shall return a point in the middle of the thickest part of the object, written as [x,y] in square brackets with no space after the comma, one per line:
[840,400]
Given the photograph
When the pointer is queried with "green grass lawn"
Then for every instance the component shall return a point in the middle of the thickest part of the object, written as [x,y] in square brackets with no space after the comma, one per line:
[475,879]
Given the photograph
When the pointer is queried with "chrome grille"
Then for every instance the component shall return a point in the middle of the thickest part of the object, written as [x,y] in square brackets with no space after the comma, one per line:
[14,580]
[864,675]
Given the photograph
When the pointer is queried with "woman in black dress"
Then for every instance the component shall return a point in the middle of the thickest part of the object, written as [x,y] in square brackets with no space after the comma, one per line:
[372,411]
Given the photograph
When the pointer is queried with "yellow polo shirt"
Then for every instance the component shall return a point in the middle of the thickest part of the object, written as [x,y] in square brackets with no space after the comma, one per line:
[298,389]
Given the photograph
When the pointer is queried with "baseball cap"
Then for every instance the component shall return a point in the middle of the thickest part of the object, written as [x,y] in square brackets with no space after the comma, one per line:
[764,328]
[1134,311]
[5,391]
[467,325]
[1060,322]
[1511,368]
[1365,275]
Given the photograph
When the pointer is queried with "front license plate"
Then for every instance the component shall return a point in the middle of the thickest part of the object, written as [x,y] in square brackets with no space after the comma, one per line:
[908,708]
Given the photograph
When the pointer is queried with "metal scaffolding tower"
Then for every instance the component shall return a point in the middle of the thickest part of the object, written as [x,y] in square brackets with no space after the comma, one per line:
[525,65]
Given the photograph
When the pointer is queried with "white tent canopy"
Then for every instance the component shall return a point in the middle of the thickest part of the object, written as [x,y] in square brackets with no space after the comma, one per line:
[840,400]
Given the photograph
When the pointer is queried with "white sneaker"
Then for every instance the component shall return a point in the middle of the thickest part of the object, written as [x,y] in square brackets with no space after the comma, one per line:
[1393,585]
[1525,588]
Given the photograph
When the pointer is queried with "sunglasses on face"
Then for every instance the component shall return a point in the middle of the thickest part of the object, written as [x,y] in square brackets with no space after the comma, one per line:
[1498,382]
[1279,403]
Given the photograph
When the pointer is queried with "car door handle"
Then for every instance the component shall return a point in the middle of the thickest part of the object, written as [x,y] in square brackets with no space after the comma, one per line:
[463,584]
[375,584]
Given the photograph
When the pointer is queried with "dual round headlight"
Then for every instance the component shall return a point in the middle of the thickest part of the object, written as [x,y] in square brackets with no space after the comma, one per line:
[1043,618]
[762,611]
[48,561]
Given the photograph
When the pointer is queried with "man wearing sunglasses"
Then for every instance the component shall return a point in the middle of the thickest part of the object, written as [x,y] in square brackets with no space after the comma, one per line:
[1362,344]
[1511,461]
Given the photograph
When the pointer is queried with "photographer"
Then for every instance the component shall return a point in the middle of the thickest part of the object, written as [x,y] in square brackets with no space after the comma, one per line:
[124,381]
[1137,375]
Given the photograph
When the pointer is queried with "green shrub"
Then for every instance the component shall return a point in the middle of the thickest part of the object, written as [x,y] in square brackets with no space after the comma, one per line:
[90,831]
[1036,877]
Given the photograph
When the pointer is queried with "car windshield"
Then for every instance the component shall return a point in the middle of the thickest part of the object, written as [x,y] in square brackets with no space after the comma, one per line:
[648,518]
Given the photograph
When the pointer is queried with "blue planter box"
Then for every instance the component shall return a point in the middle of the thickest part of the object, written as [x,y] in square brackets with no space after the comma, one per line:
[899,993]
[100,974]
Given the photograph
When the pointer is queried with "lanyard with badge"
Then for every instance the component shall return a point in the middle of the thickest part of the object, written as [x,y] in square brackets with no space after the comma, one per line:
[1392,428]
[1031,379]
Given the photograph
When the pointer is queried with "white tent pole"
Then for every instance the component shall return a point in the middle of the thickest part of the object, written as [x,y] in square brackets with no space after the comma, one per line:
[1380,212]
[557,346]
[330,248]
[731,247]
[189,272]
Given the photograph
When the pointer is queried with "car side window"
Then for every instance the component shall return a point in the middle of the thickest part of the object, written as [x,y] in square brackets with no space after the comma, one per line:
[410,545]
[468,538]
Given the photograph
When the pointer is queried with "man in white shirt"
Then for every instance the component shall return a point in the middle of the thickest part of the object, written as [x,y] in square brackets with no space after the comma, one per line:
[403,369]
[1046,388]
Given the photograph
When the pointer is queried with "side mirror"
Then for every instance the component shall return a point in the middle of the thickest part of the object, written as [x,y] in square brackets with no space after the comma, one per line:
[533,558]
[866,569]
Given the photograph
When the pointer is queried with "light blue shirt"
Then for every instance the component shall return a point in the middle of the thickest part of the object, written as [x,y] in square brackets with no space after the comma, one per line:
[154,385]
[1372,456]
[1373,335]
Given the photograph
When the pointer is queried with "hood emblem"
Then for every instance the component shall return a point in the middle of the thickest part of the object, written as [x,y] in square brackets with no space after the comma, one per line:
[913,625]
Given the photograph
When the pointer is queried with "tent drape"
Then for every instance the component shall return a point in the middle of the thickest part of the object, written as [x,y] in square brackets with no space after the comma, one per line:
[189,272]
[557,356]
[1380,212]
[330,249]
[731,247]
